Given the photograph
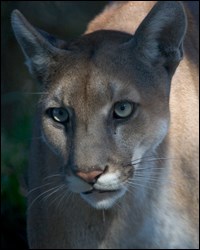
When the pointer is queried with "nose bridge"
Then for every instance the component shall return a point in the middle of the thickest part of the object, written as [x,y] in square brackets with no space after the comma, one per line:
[89,147]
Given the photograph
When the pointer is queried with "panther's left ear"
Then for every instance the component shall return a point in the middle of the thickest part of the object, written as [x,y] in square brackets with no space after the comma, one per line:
[41,49]
[159,38]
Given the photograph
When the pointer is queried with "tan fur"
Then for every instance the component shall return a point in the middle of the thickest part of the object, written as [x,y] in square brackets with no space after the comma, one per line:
[165,215]
[125,11]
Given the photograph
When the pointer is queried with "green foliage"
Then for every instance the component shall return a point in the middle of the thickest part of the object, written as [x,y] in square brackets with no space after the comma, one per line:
[14,163]
[15,142]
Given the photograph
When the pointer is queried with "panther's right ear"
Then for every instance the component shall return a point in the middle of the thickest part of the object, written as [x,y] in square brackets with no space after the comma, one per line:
[159,38]
[40,48]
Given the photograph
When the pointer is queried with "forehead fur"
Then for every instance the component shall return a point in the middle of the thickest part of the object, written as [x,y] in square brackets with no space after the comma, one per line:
[91,43]
[101,67]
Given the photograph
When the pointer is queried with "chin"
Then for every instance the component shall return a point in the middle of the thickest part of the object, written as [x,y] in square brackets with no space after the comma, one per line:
[103,199]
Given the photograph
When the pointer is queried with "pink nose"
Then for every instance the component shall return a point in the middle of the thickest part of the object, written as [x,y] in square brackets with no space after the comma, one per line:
[90,176]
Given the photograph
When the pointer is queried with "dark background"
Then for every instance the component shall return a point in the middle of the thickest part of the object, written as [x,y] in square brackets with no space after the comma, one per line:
[65,19]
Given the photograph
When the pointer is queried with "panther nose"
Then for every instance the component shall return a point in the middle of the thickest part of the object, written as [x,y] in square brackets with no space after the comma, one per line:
[91,176]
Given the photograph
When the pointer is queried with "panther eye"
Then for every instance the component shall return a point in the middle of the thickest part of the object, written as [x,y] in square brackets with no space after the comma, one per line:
[59,114]
[123,109]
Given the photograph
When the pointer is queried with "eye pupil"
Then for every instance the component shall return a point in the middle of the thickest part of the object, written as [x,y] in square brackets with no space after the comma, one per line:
[123,107]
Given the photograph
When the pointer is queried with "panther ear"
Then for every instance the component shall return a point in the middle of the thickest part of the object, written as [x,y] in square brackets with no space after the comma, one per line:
[39,47]
[159,38]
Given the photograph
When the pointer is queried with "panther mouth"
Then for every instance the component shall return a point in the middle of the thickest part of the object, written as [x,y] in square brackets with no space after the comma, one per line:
[100,191]
[102,199]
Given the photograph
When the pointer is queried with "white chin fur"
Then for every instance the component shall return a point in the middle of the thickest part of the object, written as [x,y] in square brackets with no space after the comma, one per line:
[103,200]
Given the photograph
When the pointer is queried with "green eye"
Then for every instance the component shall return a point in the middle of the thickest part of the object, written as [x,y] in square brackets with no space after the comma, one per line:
[59,114]
[123,109]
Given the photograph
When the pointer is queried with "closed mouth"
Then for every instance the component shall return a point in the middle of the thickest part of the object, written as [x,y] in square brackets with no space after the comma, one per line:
[100,191]
[102,199]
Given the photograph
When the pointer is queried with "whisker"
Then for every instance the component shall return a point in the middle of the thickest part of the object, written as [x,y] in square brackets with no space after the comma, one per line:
[40,196]
[139,178]
[144,172]
[148,168]
[36,188]
[117,203]
[61,199]
[151,160]
[67,196]
[155,179]
[128,189]
[135,184]
[150,156]
[57,197]
[57,189]
[134,162]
